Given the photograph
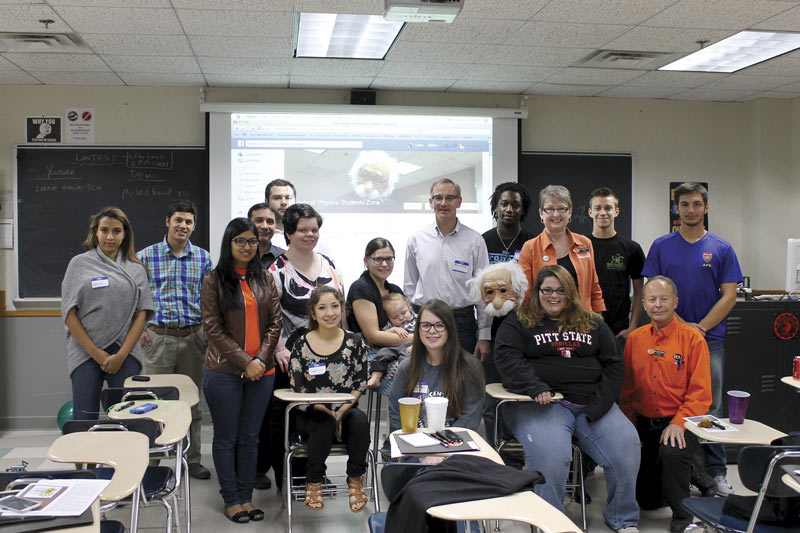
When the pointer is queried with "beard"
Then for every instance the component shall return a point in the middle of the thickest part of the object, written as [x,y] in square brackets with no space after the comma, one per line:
[506,308]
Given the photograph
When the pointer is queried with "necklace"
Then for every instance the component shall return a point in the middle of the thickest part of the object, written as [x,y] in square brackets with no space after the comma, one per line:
[505,252]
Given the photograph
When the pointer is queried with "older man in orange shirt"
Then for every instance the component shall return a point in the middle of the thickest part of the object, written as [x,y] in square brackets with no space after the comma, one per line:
[667,378]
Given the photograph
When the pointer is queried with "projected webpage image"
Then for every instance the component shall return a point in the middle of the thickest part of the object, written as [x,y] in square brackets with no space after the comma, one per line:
[360,163]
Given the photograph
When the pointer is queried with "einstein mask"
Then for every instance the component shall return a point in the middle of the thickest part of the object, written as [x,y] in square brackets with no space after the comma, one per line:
[500,287]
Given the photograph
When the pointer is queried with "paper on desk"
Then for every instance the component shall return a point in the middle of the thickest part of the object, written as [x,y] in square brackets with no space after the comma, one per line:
[420,439]
[61,497]
[713,429]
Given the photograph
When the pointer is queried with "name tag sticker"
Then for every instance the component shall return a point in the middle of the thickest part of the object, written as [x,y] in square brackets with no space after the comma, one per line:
[316,369]
[462,267]
[421,389]
[100,283]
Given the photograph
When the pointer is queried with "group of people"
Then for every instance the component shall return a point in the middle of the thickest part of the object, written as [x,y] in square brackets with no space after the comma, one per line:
[266,317]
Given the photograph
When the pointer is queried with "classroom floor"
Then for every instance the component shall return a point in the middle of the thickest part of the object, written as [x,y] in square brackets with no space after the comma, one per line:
[336,517]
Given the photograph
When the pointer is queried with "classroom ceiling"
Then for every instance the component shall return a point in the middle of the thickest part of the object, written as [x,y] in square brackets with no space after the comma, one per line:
[532,47]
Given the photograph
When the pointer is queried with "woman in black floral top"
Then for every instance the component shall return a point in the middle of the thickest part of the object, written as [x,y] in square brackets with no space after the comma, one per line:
[329,359]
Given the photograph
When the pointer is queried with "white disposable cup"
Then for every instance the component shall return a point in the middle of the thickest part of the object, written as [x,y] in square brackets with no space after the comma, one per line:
[436,412]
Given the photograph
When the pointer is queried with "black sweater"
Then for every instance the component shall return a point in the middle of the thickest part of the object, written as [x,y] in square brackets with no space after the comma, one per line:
[586,368]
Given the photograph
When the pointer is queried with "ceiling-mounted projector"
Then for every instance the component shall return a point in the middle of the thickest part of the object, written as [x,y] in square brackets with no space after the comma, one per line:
[422,10]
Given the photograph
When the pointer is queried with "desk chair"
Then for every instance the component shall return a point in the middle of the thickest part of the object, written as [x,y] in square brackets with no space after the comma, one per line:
[759,472]
[124,451]
[293,487]
[374,397]
[187,390]
[577,486]
[114,395]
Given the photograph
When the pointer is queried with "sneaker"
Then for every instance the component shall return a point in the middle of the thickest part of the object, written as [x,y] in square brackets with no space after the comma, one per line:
[198,471]
[723,487]
[627,529]
[678,525]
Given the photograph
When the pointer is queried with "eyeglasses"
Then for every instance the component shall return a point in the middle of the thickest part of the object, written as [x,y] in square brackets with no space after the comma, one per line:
[426,326]
[241,241]
[449,198]
[547,291]
[383,260]
[559,210]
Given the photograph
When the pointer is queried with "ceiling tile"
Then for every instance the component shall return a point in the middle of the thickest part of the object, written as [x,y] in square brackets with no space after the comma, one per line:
[779,95]
[240,65]
[247,80]
[6,65]
[239,5]
[233,23]
[674,79]
[489,86]
[171,79]
[26,18]
[408,69]
[593,76]
[111,3]
[783,65]
[301,82]
[253,46]
[528,55]
[639,92]
[787,21]
[58,62]
[755,83]
[463,30]
[510,73]
[121,20]
[557,34]
[77,78]
[716,14]
[17,78]
[565,90]
[792,87]
[355,7]
[411,84]
[511,9]
[181,64]
[602,11]
[107,43]
[650,39]
[416,51]
[334,67]
[717,95]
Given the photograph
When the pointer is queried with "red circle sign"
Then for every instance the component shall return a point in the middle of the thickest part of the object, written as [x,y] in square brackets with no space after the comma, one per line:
[786,326]
[87,116]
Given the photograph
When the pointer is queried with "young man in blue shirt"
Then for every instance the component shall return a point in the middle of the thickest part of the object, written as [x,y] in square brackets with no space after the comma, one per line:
[705,269]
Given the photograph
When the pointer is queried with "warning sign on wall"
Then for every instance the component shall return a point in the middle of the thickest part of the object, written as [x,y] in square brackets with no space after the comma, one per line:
[80,126]
[43,129]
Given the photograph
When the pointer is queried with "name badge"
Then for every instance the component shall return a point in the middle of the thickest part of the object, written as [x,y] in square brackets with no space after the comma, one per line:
[421,389]
[516,256]
[100,283]
[462,267]
[316,369]
[659,353]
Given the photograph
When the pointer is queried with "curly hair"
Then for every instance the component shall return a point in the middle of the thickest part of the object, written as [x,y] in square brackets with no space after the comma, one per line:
[574,317]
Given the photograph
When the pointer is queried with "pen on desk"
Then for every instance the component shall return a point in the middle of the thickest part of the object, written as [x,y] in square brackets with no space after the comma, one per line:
[441,440]
[717,425]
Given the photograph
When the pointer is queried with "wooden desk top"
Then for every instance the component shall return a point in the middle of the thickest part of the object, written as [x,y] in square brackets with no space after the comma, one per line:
[498,392]
[751,432]
[187,390]
[791,482]
[485,449]
[789,380]
[288,395]
[524,507]
[175,415]
[127,452]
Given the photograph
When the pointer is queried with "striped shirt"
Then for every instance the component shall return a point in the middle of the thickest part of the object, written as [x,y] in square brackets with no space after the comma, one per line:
[175,283]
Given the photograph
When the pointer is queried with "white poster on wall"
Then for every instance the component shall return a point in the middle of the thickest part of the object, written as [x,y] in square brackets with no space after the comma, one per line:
[80,126]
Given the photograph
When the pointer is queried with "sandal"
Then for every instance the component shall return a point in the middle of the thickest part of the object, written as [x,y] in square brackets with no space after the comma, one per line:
[242,517]
[314,496]
[358,500]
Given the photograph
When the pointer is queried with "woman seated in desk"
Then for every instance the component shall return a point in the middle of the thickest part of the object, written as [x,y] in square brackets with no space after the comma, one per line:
[330,359]
[553,344]
[438,366]
[105,302]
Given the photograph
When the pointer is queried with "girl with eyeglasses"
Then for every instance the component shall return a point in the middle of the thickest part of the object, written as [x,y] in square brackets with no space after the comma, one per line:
[242,318]
[553,344]
[557,245]
[438,366]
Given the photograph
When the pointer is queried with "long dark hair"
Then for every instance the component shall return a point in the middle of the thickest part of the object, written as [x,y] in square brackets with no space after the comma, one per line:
[313,300]
[455,369]
[226,272]
[574,316]
[127,247]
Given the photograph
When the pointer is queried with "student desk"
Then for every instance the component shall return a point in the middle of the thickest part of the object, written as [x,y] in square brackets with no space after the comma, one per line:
[484,448]
[187,390]
[789,380]
[751,432]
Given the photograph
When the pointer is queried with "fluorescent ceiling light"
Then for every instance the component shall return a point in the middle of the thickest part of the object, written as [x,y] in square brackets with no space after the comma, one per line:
[345,36]
[738,51]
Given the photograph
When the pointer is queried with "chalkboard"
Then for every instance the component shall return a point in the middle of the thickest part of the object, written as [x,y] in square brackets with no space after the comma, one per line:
[59,188]
[580,173]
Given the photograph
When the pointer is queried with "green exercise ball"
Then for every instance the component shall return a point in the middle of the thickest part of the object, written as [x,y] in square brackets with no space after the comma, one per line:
[64,414]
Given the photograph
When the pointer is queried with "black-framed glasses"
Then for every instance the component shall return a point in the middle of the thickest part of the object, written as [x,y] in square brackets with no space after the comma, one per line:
[241,241]
[547,291]
[426,326]
[559,210]
[446,198]
[383,260]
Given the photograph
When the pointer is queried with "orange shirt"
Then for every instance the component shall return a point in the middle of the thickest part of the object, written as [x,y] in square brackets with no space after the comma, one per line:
[539,252]
[666,373]
[252,338]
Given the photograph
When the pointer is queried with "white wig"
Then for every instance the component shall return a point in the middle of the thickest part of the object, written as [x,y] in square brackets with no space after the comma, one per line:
[380,159]
[519,283]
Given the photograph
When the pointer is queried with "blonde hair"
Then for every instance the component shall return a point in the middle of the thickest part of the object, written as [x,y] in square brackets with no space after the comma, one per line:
[574,317]
[395,298]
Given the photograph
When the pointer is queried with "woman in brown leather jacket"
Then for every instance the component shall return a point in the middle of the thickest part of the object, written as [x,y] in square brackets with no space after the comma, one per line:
[242,318]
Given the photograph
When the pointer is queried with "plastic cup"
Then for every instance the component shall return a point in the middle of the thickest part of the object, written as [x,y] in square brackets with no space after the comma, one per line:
[737,406]
[409,414]
[436,412]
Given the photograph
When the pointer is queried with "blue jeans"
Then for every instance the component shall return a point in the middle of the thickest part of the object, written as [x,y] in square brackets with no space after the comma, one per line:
[87,382]
[546,432]
[715,453]
[467,328]
[237,407]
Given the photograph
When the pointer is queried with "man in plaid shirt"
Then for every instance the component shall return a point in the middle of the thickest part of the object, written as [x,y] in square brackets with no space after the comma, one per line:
[174,341]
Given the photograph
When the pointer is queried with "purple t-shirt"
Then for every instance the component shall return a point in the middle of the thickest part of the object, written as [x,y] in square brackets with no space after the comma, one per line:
[698,269]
